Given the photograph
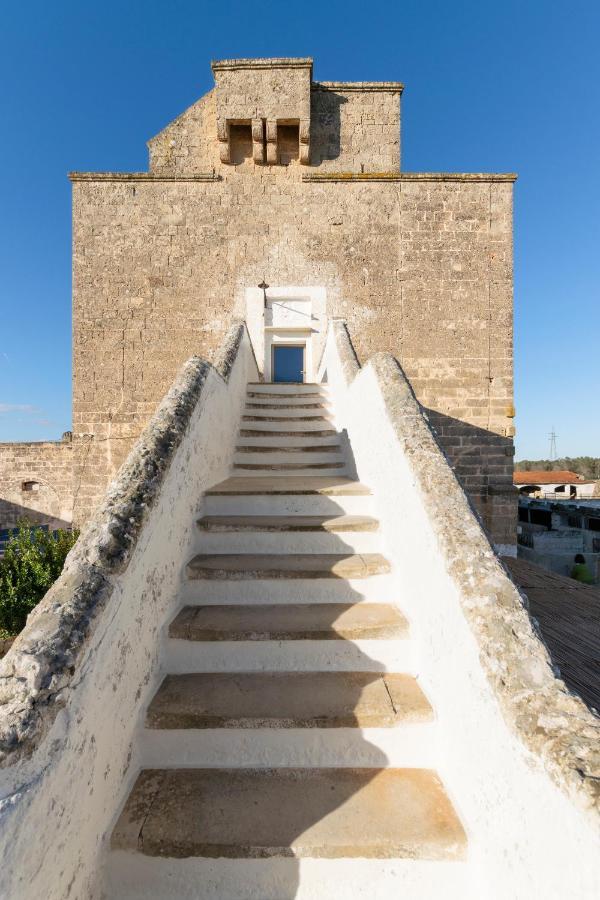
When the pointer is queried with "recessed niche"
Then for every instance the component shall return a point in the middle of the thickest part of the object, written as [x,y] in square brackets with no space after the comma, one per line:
[240,142]
[288,142]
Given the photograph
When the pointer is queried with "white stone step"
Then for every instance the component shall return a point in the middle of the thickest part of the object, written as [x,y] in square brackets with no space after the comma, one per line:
[376,589]
[286,542]
[277,457]
[289,566]
[317,414]
[394,655]
[283,495]
[134,876]
[274,524]
[293,428]
[310,486]
[286,504]
[277,442]
[275,701]
[279,388]
[409,745]
[284,470]
[287,534]
[332,813]
[270,401]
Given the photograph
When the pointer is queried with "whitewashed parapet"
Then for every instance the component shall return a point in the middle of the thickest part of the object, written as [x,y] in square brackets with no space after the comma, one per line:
[74,685]
[551,721]
[36,674]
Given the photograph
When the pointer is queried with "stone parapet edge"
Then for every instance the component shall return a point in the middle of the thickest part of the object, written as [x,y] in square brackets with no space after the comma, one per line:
[42,664]
[318,177]
[553,724]
[362,87]
[57,442]
[275,62]
[140,176]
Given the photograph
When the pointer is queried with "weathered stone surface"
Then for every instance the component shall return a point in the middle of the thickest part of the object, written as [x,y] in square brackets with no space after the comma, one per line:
[292,621]
[287,700]
[288,523]
[257,813]
[300,565]
[315,484]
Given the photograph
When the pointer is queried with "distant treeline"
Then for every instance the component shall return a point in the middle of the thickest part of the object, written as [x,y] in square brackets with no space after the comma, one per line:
[588,466]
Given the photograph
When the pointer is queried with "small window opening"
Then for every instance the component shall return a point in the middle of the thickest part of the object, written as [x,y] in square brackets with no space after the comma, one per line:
[29,486]
[288,142]
[541,517]
[240,142]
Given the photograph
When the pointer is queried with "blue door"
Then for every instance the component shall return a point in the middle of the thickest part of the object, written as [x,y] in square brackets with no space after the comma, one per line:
[288,364]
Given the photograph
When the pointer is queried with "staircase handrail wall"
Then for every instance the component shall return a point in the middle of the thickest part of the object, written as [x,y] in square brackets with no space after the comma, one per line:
[520,751]
[72,686]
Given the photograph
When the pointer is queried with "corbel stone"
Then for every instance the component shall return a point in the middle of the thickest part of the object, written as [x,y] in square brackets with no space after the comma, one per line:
[223,139]
[304,135]
[258,150]
[271,137]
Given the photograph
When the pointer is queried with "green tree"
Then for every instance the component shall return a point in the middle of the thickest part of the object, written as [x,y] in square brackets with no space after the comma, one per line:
[32,561]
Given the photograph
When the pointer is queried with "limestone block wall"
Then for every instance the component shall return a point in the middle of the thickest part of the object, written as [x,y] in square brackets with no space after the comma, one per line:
[355,127]
[418,264]
[188,145]
[36,483]
[352,127]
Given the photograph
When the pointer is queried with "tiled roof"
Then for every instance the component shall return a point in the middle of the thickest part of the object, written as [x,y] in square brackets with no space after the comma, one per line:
[567,613]
[556,477]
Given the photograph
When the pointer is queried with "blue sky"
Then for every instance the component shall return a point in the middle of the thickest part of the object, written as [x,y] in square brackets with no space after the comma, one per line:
[509,86]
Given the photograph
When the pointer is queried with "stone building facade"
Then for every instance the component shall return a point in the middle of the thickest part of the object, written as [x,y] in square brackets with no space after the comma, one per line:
[36,483]
[274,178]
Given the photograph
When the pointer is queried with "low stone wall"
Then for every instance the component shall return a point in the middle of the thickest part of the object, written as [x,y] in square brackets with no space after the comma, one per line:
[75,684]
[36,483]
[518,753]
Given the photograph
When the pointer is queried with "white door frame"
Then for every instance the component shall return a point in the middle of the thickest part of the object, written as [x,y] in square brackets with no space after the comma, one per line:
[310,332]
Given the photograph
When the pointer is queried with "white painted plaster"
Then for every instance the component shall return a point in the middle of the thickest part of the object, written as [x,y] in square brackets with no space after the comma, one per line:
[408,745]
[344,542]
[290,879]
[58,807]
[375,589]
[290,656]
[527,837]
[294,315]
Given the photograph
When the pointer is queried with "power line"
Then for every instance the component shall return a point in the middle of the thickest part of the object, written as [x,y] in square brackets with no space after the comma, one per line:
[552,444]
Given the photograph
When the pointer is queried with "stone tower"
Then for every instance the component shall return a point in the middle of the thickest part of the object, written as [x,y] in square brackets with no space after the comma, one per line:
[274,178]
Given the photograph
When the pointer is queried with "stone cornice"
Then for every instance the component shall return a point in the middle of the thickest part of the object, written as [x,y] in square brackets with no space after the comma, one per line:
[278,62]
[140,176]
[389,87]
[323,177]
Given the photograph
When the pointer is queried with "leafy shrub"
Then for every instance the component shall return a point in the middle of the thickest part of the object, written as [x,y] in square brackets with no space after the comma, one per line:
[33,559]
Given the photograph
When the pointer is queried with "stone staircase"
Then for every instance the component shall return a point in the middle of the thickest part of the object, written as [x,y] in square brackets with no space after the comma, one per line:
[289,751]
